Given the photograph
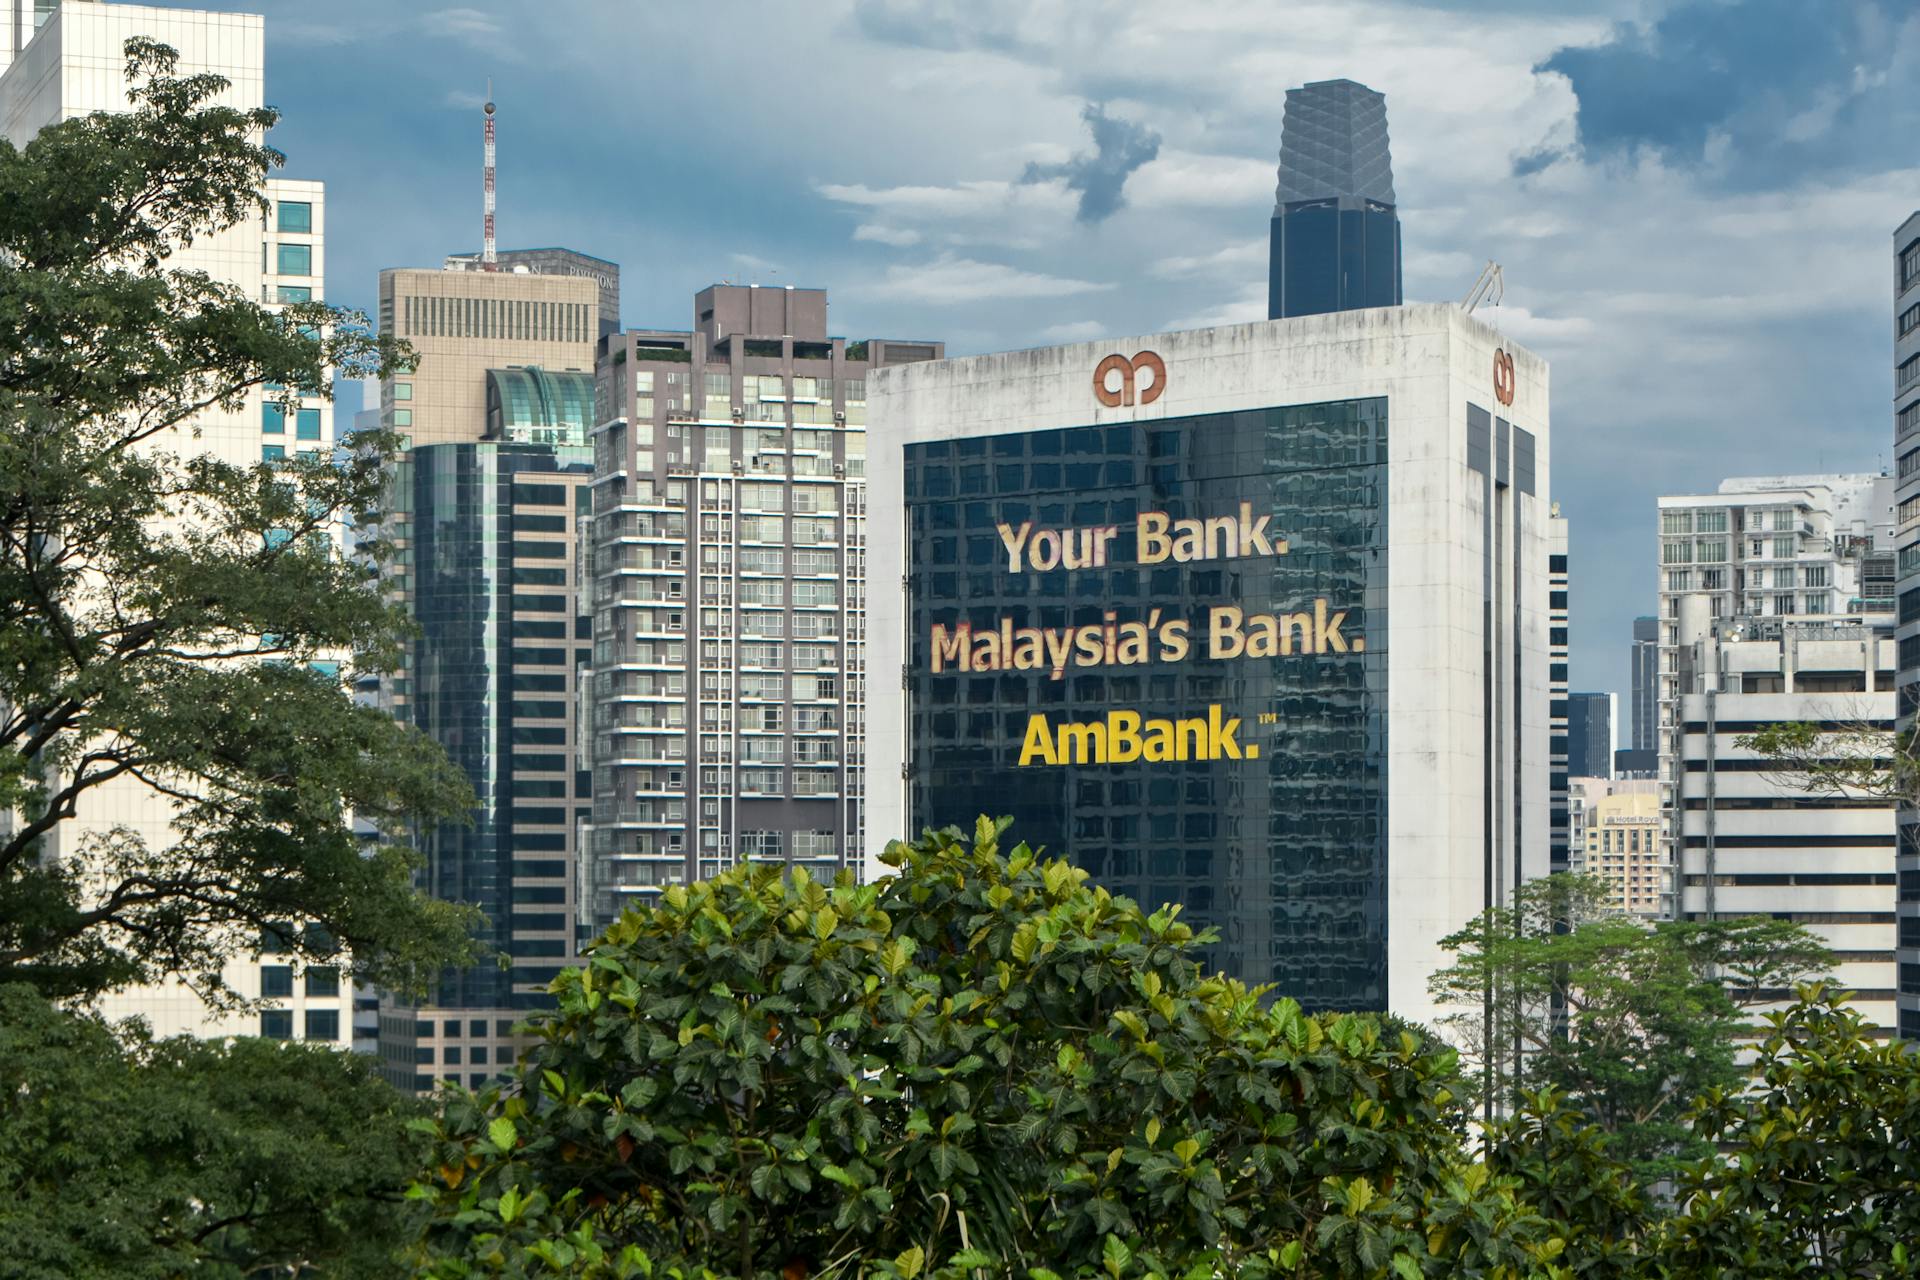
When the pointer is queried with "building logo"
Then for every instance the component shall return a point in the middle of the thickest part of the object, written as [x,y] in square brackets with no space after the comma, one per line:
[1129,371]
[1503,377]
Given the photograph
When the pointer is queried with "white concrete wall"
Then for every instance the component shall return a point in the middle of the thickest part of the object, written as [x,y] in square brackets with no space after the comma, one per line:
[1429,361]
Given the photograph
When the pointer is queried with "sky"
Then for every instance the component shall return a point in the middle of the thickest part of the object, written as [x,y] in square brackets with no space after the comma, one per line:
[1692,200]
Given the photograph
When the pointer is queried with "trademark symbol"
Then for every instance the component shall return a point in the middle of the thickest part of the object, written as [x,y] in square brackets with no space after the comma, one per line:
[1269,717]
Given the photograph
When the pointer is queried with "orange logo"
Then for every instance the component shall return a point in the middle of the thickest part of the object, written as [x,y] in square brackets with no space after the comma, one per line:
[1128,370]
[1503,377]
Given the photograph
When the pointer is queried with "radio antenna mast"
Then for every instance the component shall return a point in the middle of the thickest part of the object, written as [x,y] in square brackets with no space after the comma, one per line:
[488,259]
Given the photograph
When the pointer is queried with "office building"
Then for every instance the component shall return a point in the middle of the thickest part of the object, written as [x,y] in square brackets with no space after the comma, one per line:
[61,62]
[1617,839]
[730,554]
[1906,445]
[485,511]
[1646,685]
[1752,843]
[557,262]
[1590,735]
[463,323]
[491,570]
[1558,817]
[1252,619]
[1335,234]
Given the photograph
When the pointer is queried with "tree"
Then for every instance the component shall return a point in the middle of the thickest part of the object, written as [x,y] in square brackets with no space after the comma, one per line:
[165,616]
[1858,757]
[1629,1021]
[1821,1167]
[163,1158]
[979,1065]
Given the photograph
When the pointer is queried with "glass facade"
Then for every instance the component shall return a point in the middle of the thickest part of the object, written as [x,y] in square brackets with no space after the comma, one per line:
[1327,256]
[1282,849]
[534,406]
[492,678]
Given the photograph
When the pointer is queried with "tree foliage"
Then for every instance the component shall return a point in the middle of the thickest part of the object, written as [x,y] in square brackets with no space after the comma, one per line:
[1857,758]
[1629,1021]
[152,1159]
[162,610]
[978,1065]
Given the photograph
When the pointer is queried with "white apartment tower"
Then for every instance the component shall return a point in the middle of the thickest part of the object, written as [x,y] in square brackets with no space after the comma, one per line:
[62,61]
[1771,552]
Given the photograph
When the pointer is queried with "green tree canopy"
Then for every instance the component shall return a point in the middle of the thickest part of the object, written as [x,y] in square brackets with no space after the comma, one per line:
[148,1160]
[1629,1020]
[978,1065]
[162,611]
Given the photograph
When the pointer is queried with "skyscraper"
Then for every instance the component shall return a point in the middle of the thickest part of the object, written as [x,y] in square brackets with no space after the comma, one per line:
[730,678]
[1253,620]
[1646,684]
[1335,231]
[484,511]
[1559,563]
[1906,445]
[1590,735]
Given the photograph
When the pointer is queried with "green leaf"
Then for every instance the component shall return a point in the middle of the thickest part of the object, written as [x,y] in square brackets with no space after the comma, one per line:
[502,1134]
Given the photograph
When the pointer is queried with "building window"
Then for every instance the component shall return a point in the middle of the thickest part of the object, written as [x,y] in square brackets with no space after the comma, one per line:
[1676,553]
[273,419]
[294,260]
[272,453]
[323,1024]
[322,982]
[403,391]
[296,216]
[295,293]
[1909,265]
[276,1024]
[1910,319]
[1907,374]
[1676,522]
[276,981]
[308,424]
[403,417]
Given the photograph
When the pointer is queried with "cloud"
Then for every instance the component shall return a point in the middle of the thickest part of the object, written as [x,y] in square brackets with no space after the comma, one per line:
[1074,331]
[960,200]
[898,237]
[1751,91]
[1191,180]
[1233,260]
[475,28]
[1119,147]
[949,280]
[464,100]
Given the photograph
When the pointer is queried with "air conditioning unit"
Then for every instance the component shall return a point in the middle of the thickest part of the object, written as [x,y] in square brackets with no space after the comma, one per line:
[838,416]
[739,414]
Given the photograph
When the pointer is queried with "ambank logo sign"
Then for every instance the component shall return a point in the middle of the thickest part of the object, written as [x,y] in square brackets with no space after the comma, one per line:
[1128,374]
[1122,737]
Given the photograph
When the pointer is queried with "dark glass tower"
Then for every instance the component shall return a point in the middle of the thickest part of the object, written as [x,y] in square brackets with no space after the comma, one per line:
[1336,232]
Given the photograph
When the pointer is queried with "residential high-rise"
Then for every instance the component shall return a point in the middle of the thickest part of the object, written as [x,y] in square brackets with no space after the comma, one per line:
[61,62]
[1750,841]
[730,551]
[1906,446]
[1252,619]
[1590,735]
[1335,234]
[464,322]
[1804,548]
[1558,612]
[485,510]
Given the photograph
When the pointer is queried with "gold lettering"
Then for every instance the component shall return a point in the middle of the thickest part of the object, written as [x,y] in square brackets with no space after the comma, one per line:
[950,648]
[1151,534]
[1039,742]
[1014,542]
[1123,737]
[1083,743]
[1223,633]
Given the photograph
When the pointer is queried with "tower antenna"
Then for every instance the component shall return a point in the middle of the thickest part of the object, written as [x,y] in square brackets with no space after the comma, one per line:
[488,259]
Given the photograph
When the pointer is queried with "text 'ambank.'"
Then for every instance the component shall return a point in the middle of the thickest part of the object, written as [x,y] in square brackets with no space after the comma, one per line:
[1129,371]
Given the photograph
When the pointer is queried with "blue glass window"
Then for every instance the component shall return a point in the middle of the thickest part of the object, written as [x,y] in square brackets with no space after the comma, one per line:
[276,1024]
[295,260]
[276,980]
[272,452]
[323,982]
[296,215]
[296,293]
[273,419]
[323,1024]
[308,421]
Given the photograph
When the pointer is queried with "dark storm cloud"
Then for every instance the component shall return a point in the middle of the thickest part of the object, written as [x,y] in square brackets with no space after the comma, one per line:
[1119,147]
[1766,90]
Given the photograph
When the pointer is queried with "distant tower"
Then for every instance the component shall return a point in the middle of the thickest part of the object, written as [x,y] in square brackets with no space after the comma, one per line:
[1335,231]
[488,260]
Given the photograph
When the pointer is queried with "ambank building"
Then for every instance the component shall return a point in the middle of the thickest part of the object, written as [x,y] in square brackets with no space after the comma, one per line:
[1252,619]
